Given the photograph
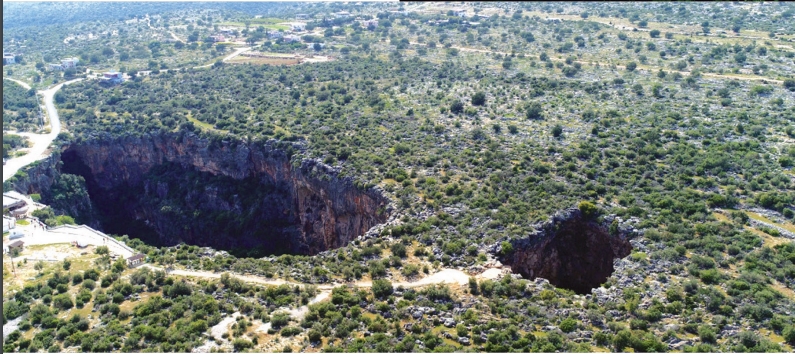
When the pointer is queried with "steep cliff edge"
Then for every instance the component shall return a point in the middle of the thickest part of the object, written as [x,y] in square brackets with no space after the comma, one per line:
[249,197]
[570,250]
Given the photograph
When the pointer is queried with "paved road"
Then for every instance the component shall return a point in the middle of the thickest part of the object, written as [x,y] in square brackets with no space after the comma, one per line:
[41,142]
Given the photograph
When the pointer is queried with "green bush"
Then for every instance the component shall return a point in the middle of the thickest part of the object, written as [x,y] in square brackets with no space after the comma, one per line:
[382,288]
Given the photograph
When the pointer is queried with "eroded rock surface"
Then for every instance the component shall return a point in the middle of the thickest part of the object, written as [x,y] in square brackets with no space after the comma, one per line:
[222,194]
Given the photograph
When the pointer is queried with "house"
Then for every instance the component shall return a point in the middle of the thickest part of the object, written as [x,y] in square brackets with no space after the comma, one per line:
[298,26]
[312,45]
[69,63]
[136,260]
[275,34]
[55,67]
[460,12]
[342,14]
[16,245]
[8,58]
[369,23]
[291,38]
[218,38]
[15,203]
[111,78]
[301,16]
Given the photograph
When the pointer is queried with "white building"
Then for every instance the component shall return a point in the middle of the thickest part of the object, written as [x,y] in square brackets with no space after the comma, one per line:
[291,38]
[8,58]
[368,23]
[298,26]
[8,224]
[69,63]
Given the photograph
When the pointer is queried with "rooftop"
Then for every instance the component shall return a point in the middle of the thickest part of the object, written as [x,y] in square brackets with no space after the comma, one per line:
[137,257]
[16,244]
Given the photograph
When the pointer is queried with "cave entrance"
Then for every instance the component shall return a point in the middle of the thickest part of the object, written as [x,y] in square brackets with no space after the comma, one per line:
[260,214]
[572,253]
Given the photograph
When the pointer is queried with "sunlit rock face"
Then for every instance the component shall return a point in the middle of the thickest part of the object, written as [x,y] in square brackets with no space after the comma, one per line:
[244,197]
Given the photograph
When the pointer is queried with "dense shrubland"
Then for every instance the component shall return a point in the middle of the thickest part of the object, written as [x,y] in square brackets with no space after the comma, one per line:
[20,108]
[489,144]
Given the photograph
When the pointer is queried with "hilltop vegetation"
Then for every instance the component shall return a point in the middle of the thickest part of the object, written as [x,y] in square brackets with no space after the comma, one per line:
[478,132]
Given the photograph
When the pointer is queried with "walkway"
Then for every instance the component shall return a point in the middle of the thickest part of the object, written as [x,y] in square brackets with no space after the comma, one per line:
[68,233]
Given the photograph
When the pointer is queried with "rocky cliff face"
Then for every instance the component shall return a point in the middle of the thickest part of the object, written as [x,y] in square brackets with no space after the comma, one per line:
[570,251]
[223,194]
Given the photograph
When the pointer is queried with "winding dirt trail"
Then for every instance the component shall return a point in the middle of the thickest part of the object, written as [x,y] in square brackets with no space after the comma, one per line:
[21,83]
[444,276]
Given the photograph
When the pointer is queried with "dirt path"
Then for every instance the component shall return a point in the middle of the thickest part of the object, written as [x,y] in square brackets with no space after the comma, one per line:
[21,83]
[41,142]
[445,276]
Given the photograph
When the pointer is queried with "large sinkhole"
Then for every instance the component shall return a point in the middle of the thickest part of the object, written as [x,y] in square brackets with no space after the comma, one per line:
[248,200]
[571,251]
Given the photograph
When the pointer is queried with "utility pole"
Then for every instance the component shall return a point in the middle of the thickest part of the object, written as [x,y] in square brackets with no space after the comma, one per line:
[13,269]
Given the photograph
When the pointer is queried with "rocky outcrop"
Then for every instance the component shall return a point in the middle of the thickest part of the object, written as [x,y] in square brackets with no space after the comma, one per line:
[37,177]
[222,193]
[569,250]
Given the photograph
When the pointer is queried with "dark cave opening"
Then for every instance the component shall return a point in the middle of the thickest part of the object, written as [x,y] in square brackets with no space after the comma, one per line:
[572,252]
[168,203]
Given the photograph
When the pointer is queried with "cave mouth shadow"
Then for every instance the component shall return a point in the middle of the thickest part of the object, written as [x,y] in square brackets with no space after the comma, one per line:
[171,204]
[573,253]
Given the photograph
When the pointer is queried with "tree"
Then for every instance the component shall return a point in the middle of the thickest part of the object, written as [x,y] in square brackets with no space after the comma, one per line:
[789,334]
[568,325]
[631,66]
[382,288]
[622,340]
[534,111]
[506,248]
[479,99]
[456,107]
[707,334]
[557,130]
[789,84]
[398,249]
[588,209]
[654,33]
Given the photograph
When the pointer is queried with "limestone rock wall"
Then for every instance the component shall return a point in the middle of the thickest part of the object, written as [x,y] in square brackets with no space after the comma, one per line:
[310,207]
[570,251]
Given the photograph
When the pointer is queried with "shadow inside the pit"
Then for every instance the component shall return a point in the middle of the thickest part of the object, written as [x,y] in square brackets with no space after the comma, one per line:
[268,212]
[570,250]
